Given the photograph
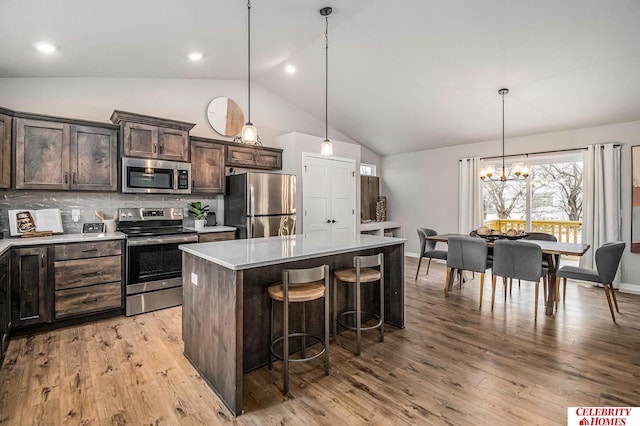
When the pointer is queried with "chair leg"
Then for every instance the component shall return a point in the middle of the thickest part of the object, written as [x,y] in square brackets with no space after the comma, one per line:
[446,281]
[335,308]
[613,294]
[428,266]
[557,292]
[493,290]
[303,351]
[481,287]
[504,283]
[418,270]
[270,335]
[564,290]
[285,344]
[382,308]
[544,287]
[535,309]
[510,285]
[326,330]
[358,318]
[606,291]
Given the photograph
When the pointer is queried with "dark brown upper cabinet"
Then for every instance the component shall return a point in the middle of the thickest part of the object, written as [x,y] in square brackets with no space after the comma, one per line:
[254,157]
[207,167]
[152,137]
[60,155]
[5,150]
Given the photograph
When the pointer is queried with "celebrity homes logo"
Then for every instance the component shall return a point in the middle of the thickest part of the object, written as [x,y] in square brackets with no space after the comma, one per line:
[603,416]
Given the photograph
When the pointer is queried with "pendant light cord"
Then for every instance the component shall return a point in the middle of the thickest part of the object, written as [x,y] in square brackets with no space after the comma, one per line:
[326,79]
[249,59]
[503,170]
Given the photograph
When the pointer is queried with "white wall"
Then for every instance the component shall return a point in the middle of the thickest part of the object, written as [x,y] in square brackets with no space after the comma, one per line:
[185,100]
[422,187]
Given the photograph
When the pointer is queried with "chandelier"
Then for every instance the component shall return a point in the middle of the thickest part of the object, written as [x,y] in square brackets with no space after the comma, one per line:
[519,169]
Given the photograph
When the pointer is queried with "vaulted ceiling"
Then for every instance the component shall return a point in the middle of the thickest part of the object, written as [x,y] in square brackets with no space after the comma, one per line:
[404,75]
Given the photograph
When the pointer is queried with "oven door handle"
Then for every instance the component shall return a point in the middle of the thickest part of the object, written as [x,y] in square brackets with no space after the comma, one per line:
[148,241]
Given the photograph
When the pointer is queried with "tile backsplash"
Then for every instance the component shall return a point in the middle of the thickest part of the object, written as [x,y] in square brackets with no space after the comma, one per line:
[89,202]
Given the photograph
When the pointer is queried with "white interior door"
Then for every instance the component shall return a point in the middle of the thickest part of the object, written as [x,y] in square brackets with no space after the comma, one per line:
[328,202]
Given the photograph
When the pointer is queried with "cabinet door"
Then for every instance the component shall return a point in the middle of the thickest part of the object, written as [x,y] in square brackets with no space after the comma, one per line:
[253,157]
[173,144]
[42,154]
[140,140]
[207,168]
[369,192]
[5,303]
[93,158]
[328,195]
[5,151]
[216,236]
[32,296]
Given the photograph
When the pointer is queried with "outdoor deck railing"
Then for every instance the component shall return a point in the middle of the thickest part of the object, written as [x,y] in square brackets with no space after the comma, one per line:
[568,231]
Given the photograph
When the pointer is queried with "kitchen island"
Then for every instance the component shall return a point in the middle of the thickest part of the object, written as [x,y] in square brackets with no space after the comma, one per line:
[225,311]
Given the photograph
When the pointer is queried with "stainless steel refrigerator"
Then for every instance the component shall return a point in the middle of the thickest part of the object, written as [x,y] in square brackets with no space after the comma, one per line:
[260,204]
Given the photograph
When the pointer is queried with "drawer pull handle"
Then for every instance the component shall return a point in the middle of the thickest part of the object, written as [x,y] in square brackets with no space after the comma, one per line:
[88,301]
[42,261]
[90,274]
[88,250]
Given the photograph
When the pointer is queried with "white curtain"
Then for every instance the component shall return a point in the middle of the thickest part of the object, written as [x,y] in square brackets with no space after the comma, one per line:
[601,202]
[469,195]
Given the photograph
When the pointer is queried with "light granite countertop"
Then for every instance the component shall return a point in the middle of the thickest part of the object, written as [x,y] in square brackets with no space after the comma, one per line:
[7,243]
[209,229]
[255,252]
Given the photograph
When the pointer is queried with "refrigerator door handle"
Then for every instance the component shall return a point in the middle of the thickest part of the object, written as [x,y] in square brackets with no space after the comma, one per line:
[251,211]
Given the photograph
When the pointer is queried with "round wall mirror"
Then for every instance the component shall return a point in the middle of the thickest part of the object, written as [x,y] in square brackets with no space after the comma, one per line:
[225,116]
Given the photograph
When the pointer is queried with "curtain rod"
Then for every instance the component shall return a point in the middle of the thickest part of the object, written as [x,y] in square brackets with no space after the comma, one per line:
[540,152]
[534,153]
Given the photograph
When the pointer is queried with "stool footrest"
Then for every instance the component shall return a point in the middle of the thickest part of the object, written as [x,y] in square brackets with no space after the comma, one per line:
[308,335]
[368,315]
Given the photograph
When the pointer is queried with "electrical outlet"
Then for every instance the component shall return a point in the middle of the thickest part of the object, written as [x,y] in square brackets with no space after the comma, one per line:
[92,228]
[75,215]
[194,279]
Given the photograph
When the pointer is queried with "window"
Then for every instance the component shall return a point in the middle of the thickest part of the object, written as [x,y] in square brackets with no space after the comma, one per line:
[549,200]
[367,169]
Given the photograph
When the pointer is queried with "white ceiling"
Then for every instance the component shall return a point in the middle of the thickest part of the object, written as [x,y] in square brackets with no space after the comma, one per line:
[405,75]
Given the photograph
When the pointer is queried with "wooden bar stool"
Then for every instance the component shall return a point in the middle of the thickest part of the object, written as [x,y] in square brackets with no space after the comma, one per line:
[299,286]
[362,272]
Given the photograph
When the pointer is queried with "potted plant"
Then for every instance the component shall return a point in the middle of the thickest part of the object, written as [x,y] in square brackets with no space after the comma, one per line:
[198,212]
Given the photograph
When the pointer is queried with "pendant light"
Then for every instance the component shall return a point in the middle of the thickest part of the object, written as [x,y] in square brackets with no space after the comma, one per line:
[249,132]
[327,147]
[519,169]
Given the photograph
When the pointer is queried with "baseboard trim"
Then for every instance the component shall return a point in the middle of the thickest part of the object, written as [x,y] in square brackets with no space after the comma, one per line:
[629,288]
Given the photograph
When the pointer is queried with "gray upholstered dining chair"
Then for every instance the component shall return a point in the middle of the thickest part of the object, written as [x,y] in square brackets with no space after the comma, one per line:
[519,260]
[428,249]
[608,258]
[542,236]
[466,254]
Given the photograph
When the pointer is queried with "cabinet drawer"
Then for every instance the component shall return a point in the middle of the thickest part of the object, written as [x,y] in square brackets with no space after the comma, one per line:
[257,158]
[81,272]
[88,249]
[88,299]
[216,236]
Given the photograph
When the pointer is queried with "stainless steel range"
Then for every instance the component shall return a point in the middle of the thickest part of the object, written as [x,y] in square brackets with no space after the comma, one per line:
[153,261]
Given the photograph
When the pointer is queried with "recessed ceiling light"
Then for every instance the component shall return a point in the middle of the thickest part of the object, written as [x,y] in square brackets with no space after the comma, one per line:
[195,56]
[44,46]
[290,69]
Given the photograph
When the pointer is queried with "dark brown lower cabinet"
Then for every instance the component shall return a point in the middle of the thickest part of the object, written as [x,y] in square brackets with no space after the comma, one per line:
[5,303]
[32,296]
[87,278]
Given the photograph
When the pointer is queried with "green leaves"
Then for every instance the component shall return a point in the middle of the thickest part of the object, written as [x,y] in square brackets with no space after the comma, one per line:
[197,210]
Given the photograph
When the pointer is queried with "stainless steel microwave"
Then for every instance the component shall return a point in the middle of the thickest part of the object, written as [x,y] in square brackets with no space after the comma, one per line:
[140,175]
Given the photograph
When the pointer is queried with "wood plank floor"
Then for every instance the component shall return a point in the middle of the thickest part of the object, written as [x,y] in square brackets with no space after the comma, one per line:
[453,364]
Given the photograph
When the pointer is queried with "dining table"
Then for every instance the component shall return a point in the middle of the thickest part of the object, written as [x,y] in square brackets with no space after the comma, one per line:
[551,250]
